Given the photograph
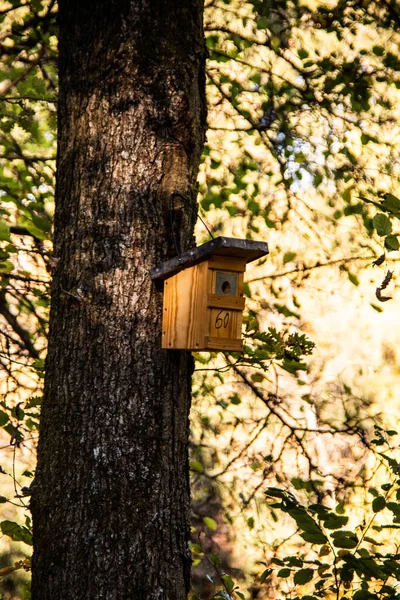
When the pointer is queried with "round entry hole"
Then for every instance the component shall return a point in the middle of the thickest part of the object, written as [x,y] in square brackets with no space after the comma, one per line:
[226,287]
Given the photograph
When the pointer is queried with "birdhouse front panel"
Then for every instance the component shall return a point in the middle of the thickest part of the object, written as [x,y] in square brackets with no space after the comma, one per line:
[225,303]
[203,295]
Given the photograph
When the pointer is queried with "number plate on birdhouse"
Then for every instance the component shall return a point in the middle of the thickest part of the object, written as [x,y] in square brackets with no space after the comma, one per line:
[203,295]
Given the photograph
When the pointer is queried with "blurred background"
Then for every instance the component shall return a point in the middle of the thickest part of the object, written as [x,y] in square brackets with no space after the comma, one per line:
[302,152]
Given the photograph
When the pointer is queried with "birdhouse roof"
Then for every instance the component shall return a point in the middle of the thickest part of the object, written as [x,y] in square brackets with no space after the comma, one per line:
[221,246]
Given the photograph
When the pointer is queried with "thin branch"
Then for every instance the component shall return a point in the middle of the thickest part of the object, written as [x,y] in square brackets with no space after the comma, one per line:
[22,333]
[318,265]
[32,98]
[21,76]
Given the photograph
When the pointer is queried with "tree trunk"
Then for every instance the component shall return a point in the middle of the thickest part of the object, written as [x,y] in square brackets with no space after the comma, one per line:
[111,495]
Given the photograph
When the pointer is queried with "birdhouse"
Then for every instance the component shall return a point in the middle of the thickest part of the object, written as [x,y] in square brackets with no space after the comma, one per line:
[203,295]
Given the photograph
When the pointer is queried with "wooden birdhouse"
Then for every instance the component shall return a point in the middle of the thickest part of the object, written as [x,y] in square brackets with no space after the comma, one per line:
[203,295]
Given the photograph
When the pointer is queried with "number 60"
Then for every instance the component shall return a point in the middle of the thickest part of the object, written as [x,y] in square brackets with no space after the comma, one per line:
[222,321]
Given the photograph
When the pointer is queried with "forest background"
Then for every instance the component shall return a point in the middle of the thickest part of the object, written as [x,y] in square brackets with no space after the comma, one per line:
[293,452]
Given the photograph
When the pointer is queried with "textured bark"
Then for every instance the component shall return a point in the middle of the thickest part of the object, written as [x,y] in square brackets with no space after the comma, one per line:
[111,495]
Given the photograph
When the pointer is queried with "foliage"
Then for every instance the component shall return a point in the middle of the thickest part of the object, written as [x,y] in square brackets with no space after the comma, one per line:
[345,561]
[303,149]
[341,559]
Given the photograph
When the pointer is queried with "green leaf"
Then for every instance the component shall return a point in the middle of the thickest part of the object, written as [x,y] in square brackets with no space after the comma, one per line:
[345,543]
[18,413]
[284,573]
[246,290]
[39,233]
[196,466]
[382,224]
[262,23]
[3,418]
[365,139]
[377,308]
[353,279]
[364,595]
[4,231]
[335,521]
[344,539]
[288,257]
[322,511]
[292,366]
[215,559]
[3,500]
[378,50]
[300,157]
[294,561]
[16,532]
[339,508]
[285,311]
[6,266]
[228,582]
[303,576]
[394,507]
[378,504]
[304,521]
[210,523]
[391,242]
[34,401]
[275,492]
[235,399]
[318,178]
[303,53]
[371,540]
[314,538]
[41,223]
[391,204]
[265,574]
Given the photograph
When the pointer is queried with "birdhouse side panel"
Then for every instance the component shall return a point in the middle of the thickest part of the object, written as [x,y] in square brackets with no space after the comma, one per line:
[185,309]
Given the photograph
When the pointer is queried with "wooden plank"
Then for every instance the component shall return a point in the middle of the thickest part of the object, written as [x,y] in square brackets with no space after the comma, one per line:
[240,284]
[225,323]
[185,309]
[227,263]
[232,345]
[222,301]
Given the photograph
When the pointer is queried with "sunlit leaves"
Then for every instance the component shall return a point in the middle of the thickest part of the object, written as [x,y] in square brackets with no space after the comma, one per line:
[303,576]
[17,533]
[4,231]
[265,574]
[210,523]
[3,418]
[382,224]
[392,243]
[378,503]
[357,564]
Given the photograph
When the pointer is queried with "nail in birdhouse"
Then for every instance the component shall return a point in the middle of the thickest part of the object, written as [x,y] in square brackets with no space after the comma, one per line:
[203,295]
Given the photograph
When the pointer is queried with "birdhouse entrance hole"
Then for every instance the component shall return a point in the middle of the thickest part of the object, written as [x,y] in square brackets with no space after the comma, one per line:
[226,283]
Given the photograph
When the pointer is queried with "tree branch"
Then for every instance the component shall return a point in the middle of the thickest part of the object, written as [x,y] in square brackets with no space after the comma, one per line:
[17,328]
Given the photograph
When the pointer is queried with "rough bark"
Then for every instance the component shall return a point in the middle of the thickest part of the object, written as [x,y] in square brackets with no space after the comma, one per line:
[111,496]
